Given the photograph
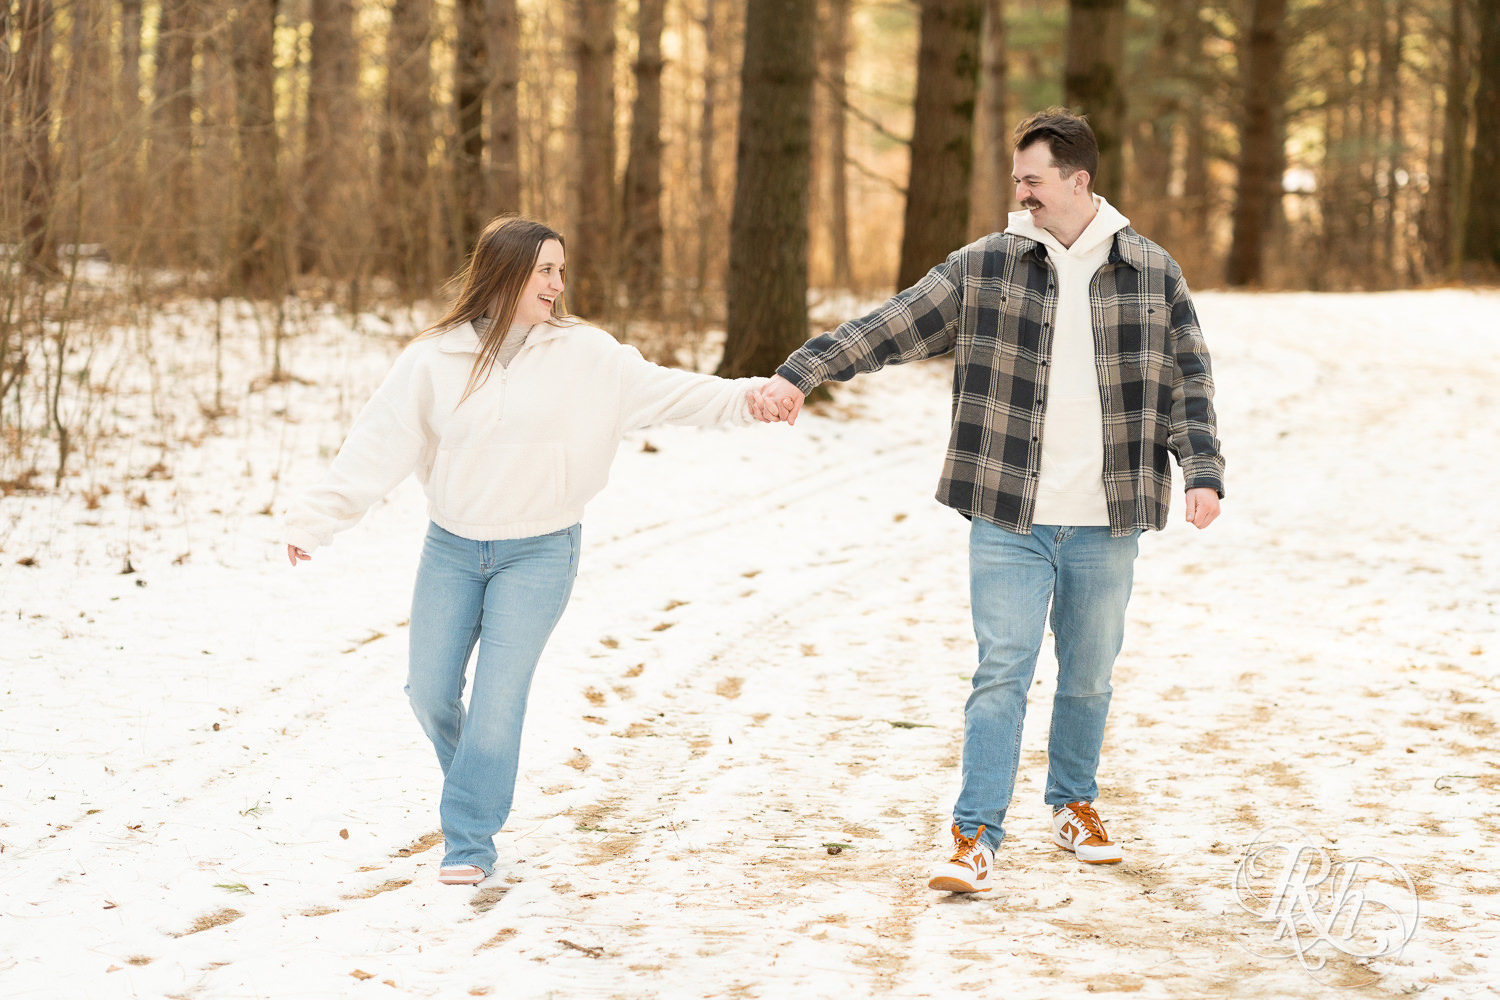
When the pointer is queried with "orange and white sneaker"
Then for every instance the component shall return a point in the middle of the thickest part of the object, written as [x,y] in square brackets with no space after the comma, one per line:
[969,868]
[1077,827]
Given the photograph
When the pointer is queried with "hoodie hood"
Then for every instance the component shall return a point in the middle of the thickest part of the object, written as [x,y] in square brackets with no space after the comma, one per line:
[1106,222]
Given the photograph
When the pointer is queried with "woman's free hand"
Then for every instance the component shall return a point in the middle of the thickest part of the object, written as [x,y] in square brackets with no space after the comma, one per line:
[294,554]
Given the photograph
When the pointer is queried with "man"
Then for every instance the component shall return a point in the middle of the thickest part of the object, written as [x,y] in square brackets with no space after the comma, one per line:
[1079,367]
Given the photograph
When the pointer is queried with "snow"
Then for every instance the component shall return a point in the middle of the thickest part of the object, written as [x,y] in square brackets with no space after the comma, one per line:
[767,652]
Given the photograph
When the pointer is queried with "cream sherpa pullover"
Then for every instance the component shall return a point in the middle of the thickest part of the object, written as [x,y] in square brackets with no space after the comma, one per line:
[525,452]
[1070,487]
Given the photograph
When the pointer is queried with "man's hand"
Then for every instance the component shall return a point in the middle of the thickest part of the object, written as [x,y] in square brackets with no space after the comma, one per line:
[295,554]
[776,400]
[1202,506]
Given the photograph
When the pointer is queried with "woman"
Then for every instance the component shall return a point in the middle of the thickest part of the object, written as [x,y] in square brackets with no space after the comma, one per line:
[509,413]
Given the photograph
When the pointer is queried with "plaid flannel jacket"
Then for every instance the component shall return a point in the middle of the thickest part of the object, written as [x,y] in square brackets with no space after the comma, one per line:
[993,303]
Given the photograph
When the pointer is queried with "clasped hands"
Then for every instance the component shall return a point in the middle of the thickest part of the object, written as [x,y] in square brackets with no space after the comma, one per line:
[775,401]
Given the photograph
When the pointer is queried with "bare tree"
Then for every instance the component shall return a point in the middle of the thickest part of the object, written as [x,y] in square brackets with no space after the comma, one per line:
[470,65]
[942,144]
[768,231]
[33,128]
[990,188]
[592,262]
[1482,232]
[259,247]
[642,194]
[1448,202]
[333,166]
[126,181]
[835,66]
[505,116]
[405,139]
[708,198]
[1258,183]
[172,199]
[1092,83]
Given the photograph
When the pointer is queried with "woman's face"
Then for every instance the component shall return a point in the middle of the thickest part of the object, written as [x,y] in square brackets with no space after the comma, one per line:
[543,287]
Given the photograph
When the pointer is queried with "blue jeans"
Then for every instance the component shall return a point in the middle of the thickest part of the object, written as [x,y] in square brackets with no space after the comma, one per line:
[504,596]
[1086,575]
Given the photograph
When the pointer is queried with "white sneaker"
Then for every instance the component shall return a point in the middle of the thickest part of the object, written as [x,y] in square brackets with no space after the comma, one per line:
[1077,827]
[969,868]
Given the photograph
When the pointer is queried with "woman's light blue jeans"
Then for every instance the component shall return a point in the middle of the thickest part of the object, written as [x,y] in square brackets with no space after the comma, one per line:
[1086,575]
[505,597]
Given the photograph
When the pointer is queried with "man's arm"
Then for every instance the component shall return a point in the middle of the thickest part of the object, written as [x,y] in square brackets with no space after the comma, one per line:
[920,322]
[1193,428]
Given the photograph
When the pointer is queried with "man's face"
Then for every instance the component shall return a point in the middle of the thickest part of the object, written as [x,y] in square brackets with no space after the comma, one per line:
[1043,190]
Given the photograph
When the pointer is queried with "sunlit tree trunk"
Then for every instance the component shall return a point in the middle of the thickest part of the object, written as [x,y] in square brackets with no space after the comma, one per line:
[834,65]
[1482,233]
[127,170]
[333,166]
[405,138]
[942,145]
[1092,83]
[505,116]
[990,190]
[260,245]
[768,231]
[591,262]
[1257,181]
[1450,194]
[708,192]
[170,198]
[469,71]
[642,192]
[33,130]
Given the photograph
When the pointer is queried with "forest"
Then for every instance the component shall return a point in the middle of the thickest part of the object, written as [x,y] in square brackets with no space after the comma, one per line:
[710,161]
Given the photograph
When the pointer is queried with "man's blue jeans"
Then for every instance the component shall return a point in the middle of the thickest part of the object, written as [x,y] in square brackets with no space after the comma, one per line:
[504,596]
[1086,574]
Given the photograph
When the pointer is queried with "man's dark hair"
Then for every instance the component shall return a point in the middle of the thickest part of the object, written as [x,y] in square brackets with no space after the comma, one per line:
[1068,137]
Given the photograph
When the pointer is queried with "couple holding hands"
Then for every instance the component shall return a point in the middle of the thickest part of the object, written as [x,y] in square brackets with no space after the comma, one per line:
[510,412]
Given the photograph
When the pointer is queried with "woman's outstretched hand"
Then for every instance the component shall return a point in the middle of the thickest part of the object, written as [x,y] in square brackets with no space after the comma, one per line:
[294,554]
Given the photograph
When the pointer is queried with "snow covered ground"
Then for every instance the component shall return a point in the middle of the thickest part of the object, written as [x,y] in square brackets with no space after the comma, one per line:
[211,785]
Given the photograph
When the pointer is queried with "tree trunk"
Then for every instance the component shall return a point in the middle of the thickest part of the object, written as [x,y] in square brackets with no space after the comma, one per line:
[1092,83]
[1257,185]
[835,64]
[642,194]
[768,231]
[330,238]
[259,244]
[1195,213]
[1455,143]
[505,116]
[469,71]
[171,197]
[33,129]
[1152,140]
[127,183]
[990,187]
[1482,232]
[592,261]
[708,194]
[942,143]
[406,137]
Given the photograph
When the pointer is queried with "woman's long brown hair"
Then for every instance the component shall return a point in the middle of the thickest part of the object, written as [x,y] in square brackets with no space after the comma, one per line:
[495,275]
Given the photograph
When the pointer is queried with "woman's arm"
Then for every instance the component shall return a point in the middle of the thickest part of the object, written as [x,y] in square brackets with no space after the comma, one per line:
[654,394]
[389,438]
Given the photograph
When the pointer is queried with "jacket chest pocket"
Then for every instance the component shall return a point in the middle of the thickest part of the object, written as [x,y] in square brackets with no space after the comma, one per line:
[1001,329]
[1140,335]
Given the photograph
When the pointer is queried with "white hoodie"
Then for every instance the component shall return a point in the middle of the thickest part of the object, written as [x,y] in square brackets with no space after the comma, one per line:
[1070,487]
[524,452]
